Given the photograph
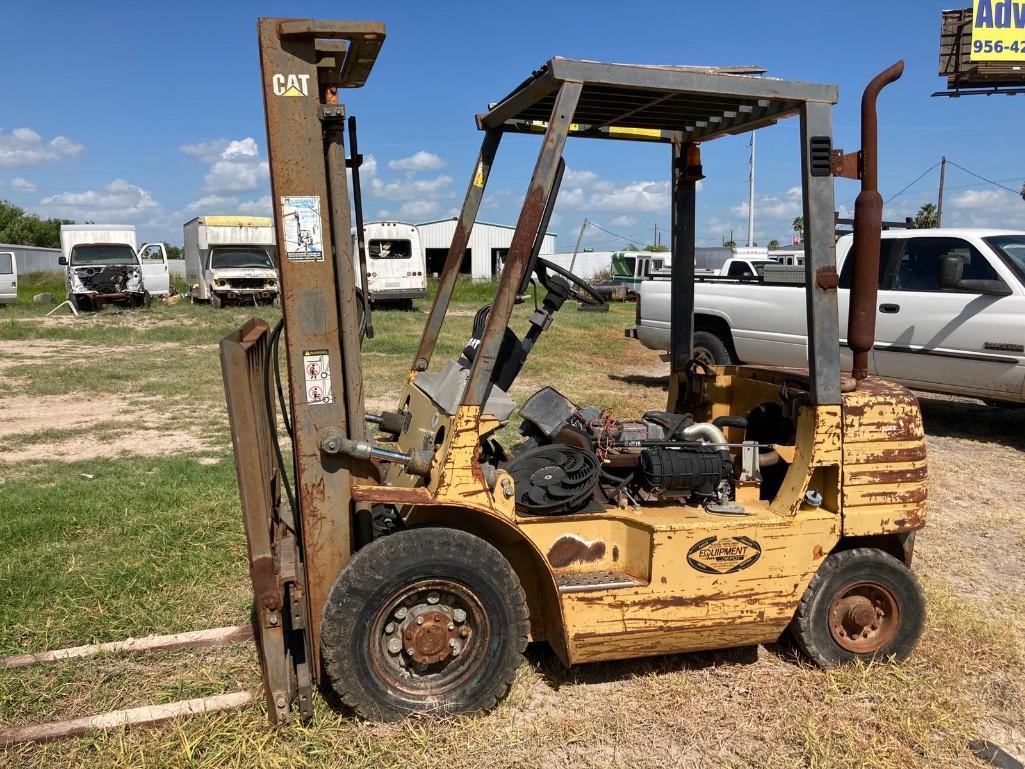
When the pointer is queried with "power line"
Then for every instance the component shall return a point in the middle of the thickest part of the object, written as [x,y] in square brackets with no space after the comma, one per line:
[980,176]
[917,179]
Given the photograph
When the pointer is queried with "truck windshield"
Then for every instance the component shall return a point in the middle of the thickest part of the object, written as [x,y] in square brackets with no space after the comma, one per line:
[103,253]
[390,249]
[224,258]
[1012,249]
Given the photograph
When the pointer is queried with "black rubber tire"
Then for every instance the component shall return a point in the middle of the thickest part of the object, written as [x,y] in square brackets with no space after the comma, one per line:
[215,301]
[810,626]
[716,346]
[383,568]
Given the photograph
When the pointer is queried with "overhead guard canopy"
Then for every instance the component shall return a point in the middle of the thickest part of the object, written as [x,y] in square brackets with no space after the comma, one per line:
[636,102]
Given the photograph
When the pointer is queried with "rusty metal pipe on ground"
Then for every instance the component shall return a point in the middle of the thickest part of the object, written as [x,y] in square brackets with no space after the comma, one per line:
[868,222]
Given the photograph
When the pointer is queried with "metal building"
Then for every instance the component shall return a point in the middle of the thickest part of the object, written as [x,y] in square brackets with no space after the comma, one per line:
[485,251]
[34,258]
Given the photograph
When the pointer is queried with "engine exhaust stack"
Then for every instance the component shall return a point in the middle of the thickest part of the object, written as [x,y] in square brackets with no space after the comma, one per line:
[868,222]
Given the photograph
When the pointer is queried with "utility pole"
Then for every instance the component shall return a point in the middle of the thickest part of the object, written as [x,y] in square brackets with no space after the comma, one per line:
[939,199]
[751,196]
[576,248]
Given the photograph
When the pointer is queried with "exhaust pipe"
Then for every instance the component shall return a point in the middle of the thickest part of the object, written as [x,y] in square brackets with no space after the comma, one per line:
[868,223]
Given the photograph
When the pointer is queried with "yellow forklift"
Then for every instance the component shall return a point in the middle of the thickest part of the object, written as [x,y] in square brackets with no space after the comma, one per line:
[407,565]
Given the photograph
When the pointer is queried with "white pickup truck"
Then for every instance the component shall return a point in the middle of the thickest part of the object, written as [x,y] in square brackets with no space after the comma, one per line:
[951,314]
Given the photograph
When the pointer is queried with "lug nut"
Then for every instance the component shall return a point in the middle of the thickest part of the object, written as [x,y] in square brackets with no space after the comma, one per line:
[433,598]
[459,615]
[464,632]
[451,626]
[401,613]
[419,620]
[395,645]
[389,628]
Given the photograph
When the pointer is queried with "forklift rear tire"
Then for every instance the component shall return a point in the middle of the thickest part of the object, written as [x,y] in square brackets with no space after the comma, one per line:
[710,349]
[861,604]
[424,621]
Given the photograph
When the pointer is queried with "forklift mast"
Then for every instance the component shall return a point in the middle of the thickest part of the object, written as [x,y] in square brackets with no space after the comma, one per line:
[298,545]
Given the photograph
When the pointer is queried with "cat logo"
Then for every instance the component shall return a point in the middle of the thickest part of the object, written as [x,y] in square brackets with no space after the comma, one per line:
[291,85]
[723,556]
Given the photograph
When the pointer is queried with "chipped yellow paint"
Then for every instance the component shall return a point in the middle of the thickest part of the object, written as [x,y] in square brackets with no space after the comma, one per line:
[866,458]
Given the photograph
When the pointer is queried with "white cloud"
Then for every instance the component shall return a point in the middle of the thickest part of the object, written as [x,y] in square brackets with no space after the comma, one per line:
[586,190]
[417,210]
[411,189]
[984,208]
[418,161]
[236,165]
[118,200]
[22,185]
[623,220]
[229,204]
[24,147]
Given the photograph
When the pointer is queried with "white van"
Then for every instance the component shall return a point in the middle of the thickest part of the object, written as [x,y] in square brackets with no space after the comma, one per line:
[396,267]
[8,277]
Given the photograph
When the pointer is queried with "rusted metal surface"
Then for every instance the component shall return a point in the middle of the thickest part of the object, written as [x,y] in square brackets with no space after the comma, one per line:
[826,278]
[868,218]
[571,549]
[685,174]
[864,618]
[243,361]
[884,473]
[517,262]
[847,165]
[460,238]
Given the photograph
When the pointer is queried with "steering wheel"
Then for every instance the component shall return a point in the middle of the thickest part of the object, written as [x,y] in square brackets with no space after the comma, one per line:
[579,288]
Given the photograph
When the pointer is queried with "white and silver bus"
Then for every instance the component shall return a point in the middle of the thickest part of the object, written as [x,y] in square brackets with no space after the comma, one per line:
[396,268]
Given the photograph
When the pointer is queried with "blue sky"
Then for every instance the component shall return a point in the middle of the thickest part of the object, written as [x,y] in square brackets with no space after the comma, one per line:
[152,112]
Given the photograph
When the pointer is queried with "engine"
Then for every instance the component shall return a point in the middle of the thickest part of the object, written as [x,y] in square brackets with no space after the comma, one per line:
[582,459]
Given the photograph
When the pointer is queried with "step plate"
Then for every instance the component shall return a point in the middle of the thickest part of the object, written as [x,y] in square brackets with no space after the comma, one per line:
[579,582]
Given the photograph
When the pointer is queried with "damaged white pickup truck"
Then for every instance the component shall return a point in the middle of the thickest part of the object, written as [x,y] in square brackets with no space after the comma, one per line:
[102,266]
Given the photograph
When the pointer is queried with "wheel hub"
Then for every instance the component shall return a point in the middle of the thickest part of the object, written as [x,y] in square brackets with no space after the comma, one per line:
[428,636]
[863,618]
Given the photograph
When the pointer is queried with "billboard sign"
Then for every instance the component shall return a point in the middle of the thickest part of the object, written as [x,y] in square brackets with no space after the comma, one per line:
[998,30]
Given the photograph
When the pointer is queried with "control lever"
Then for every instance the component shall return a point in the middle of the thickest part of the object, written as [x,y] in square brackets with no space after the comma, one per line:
[355,161]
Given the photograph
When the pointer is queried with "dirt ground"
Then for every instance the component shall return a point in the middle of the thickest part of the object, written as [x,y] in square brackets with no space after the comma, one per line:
[746,707]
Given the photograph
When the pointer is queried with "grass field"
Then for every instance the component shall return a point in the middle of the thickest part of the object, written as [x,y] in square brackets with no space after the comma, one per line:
[119,516]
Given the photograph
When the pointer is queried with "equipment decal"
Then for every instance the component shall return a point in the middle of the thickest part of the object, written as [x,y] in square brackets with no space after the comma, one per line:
[317,372]
[300,219]
[723,556]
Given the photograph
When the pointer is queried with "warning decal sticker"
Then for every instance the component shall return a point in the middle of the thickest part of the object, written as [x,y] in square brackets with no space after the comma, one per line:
[304,236]
[317,372]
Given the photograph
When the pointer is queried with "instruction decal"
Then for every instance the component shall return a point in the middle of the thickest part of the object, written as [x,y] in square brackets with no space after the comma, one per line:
[304,237]
[290,85]
[713,555]
[478,178]
[317,372]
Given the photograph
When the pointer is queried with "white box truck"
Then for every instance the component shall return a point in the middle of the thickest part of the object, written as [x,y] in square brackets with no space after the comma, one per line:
[8,277]
[101,266]
[230,260]
[396,265]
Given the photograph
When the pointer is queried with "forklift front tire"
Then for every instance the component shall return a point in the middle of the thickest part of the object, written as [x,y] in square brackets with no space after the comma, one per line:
[429,620]
[861,604]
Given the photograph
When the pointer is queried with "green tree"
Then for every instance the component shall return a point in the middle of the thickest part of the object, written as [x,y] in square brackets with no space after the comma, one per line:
[656,247]
[729,243]
[22,229]
[926,216]
[773,245]
[798,226]
[173,252]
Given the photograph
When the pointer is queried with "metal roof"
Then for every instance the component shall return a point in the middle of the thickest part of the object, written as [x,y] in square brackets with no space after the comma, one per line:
[478,221]
[654,103]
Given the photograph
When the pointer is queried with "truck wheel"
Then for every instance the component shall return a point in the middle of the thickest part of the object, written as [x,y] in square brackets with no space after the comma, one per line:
[215,301]
[424,621]
[861,604]
[710,349]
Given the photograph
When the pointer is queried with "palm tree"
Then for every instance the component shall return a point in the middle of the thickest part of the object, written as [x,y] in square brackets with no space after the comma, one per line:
[926,216]
[773,245]
[798,226]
